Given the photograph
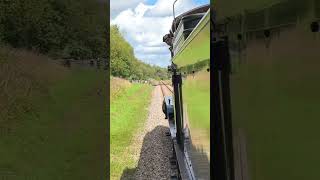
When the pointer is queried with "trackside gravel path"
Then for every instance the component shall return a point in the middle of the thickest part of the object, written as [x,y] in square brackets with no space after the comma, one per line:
[151,147]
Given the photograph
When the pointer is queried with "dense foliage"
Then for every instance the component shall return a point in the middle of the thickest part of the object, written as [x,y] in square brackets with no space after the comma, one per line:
[70,29]
[60,28]
[124,64]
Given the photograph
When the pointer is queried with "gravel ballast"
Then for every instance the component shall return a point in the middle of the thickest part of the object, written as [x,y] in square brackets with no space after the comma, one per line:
[151,146]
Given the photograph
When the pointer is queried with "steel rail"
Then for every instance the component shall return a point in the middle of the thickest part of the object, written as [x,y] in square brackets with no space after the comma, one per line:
[167,86]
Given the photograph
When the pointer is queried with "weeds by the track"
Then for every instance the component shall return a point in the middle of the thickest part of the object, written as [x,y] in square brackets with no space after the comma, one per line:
[127,114]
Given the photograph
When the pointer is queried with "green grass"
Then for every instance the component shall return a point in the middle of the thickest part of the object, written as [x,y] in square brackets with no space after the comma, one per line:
[128,114]
[65,136]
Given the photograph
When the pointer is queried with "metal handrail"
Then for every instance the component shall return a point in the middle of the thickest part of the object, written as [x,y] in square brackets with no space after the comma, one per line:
[174,16]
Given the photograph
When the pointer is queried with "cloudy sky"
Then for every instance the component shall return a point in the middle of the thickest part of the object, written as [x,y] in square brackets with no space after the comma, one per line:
[143,23]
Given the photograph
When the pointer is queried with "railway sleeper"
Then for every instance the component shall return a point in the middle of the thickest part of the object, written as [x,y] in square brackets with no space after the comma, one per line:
[174,168]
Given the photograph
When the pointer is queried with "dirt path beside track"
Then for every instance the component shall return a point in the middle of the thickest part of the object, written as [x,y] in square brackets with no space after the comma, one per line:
[150,146]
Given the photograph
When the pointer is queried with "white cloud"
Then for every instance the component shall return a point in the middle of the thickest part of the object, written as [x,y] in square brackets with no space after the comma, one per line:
[165,7]
[144,26]
[151,49]
[116,6]
[154,59]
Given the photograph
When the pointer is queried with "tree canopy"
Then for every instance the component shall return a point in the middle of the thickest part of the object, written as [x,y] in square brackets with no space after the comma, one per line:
[75,29]
[61,28]
[125,64]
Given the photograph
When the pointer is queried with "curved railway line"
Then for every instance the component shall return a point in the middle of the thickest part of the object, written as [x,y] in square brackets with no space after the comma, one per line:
[166,89]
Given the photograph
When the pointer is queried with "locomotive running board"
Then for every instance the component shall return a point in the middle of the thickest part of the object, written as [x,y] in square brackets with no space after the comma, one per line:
[184,164]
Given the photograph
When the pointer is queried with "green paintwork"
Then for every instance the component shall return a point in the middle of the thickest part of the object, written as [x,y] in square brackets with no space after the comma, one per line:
[227,8]
[197,46]
[275,94]
[196,109]
[196,95]
[195,56]
[275,102]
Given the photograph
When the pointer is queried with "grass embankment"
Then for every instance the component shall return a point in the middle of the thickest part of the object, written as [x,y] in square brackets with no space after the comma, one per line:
[52,119]
[128,114]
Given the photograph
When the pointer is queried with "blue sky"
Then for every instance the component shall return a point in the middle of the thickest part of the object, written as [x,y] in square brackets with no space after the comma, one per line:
[151,2]
[143,23]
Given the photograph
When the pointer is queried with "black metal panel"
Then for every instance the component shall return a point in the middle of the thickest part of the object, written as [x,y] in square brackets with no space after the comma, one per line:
[221,121]
[255,20]
[317,8]
[286,12]
[177,82]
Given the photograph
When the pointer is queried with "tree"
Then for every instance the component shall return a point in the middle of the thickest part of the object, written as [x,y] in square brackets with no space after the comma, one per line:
[125,64]
[61,28]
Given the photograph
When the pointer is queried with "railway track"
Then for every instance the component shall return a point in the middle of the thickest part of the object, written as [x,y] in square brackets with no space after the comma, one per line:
[166,89]
[167,93]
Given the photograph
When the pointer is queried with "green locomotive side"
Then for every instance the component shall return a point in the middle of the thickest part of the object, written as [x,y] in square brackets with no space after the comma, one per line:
[196,47]
[274,86]
[193,62]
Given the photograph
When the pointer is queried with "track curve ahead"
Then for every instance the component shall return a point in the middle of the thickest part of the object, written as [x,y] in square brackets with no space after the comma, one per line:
[166,89]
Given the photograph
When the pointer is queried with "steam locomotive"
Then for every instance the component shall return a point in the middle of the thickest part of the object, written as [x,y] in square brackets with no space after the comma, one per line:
[263,108]
[189,116]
